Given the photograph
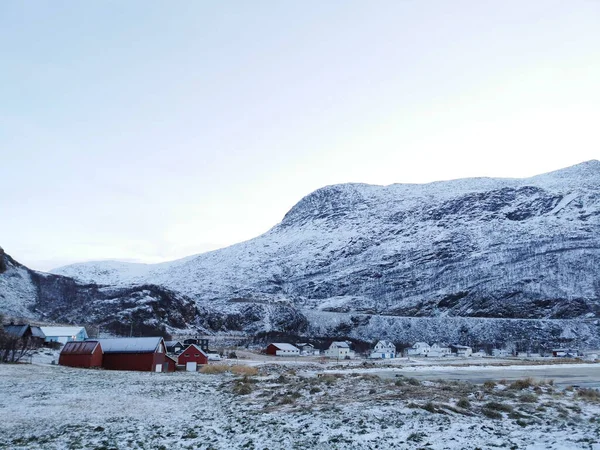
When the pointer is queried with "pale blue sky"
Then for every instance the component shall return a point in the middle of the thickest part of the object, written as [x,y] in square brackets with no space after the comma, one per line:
[149,131]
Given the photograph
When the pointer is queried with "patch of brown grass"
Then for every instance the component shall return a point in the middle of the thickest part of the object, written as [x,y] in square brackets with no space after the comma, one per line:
[244,370]
[214,368]
[589,394]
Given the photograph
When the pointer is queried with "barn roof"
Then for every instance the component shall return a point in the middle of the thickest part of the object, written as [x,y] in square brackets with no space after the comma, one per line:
[80,347]
[283,346]
[340,344]
[130,345]
[62,331]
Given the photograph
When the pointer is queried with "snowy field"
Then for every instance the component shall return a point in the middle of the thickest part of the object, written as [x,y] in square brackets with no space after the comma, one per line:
[52,407]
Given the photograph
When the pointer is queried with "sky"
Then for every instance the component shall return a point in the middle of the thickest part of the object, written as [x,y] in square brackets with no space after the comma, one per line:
[148,130]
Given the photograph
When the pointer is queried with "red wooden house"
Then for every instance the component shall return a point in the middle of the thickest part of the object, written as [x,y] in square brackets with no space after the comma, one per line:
[145,354]
[192,353]
[81,354]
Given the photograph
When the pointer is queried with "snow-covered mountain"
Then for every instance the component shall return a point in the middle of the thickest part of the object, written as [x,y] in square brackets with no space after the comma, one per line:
[474,259]
[479,247]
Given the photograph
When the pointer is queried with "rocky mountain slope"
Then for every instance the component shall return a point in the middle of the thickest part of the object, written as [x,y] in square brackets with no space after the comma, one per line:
[350,256]
[504,248]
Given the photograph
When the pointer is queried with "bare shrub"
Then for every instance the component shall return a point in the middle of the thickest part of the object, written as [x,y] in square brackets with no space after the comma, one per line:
[489,385]
[497,406]
[589,394]
[242,389]
[491,413]
[413,382]
[463,403]
[528,398]
[525,383]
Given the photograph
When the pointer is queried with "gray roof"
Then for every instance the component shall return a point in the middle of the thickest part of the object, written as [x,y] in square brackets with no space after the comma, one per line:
[130,345]
[37,332]
[288,347]
[340,344]
[16,330]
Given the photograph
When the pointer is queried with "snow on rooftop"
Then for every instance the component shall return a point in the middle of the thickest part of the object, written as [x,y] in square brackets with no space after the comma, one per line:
[62,331]
[130,345]
[283,346]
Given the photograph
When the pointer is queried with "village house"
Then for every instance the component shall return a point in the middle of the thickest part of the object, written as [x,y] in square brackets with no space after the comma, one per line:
[174,347]
[439,351]
[63,335]
[30,333]
[497,352]
[81,354]
[307,349]
[339,350]
[191,357]
[418,349]
[143,354]
[383,350]
[282,349]
[461,350]
[565,353]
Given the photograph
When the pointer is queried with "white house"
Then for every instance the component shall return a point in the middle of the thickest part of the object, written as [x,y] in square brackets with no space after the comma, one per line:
[461,350]
[64,334]
[500,352]
[339,350]
[383,350]
[418,349]
[439,351]
[307,349]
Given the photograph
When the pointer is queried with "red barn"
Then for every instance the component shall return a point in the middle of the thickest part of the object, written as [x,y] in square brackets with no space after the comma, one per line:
[192,353]
[81,354]
[144,354]
[282,349]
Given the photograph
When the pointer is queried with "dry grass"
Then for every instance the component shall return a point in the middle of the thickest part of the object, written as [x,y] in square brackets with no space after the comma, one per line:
[214,368]
[525,383]
[592,395]
[244,370]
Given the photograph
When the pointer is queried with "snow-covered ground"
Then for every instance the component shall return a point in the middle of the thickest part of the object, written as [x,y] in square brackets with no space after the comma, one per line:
[53,407]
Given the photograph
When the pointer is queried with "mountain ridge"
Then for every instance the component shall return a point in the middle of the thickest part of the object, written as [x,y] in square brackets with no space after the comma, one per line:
[481,249]
[359,242]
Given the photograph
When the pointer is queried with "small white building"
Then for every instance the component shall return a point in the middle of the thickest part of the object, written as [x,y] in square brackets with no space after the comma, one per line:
[383,350]
[64,334]
[307,349]
[339,350]
[439,351]
[461,350]
[418,349]
[498,353]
